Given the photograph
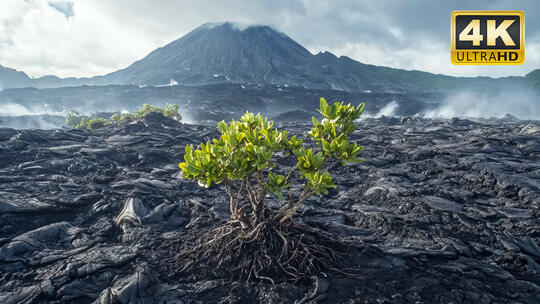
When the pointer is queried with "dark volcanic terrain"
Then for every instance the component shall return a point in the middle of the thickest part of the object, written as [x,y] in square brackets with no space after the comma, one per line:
[440,212]
[208,103]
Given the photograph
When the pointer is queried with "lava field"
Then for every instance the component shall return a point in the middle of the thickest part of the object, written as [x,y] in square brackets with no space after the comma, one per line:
[440,211]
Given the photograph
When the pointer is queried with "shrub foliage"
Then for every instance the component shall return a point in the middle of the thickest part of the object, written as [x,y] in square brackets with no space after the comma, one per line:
[75,120]
[92,123]
[170,110]
[245,160]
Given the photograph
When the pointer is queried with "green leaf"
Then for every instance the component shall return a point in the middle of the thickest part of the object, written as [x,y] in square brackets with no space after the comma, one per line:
[315,121]
[223,127]
[323,105]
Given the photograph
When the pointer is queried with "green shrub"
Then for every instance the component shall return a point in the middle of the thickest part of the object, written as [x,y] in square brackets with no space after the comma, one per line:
[244,156]
[73,118]
[170,110]
[127,117]
[92,123]
[244,160]
[115,118]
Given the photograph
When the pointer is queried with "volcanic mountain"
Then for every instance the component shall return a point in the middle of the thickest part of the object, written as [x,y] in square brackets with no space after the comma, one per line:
[225,52]
[220,52]
[258,54]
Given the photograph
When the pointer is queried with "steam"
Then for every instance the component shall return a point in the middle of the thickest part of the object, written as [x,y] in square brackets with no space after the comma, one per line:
[44,116]
[36,122]
[187,118]
[15,109]
[14,115]
[171,83]
[388,110]
[521,104]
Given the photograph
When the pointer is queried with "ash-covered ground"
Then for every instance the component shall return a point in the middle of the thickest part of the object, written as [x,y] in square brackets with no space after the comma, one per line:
[439,212]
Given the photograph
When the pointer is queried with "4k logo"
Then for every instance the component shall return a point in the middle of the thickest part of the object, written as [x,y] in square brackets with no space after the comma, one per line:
[488,37]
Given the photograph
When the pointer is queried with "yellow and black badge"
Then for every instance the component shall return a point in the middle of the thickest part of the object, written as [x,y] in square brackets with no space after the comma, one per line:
[488,37]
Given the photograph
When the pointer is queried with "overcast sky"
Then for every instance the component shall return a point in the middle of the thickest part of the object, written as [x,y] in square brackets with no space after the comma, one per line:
[95,37]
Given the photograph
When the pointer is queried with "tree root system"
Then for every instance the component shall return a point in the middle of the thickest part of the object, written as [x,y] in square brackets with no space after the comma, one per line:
[269,252]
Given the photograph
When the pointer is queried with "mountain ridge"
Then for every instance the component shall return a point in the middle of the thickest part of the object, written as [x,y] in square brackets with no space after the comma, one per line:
[226,52]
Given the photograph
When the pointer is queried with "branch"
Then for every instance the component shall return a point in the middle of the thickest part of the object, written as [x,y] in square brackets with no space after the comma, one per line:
[291,170]
[251,195]
[233,203]
[292,211]
[260,187]
[290,205]
[239,191]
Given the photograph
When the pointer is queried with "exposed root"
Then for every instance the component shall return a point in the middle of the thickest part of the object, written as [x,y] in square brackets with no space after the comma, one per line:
[269,252]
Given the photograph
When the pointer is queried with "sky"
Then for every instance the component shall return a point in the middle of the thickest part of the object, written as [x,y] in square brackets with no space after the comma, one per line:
[82,38]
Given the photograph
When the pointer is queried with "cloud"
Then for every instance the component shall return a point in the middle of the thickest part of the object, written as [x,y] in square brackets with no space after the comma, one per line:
[64,7]
[94,37]
[44,42]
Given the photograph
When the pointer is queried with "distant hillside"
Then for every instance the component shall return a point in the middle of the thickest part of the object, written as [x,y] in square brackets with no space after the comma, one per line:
[534,78]
[10,78]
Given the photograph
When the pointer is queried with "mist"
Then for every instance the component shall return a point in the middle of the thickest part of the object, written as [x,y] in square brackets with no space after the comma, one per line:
[16,109]
[45,110]
[521,104]
[388,110]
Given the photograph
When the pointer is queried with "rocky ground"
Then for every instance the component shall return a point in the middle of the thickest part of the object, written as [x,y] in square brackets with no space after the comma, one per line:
[440,212]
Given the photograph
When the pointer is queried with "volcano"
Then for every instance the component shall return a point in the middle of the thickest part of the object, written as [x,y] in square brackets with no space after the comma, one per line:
[258,54]
[219,52]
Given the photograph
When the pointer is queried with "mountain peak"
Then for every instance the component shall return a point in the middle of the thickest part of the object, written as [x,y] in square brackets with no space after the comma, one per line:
[239,26]
[217,52]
